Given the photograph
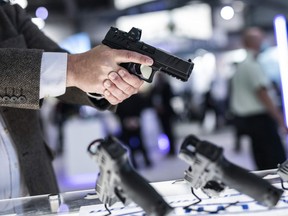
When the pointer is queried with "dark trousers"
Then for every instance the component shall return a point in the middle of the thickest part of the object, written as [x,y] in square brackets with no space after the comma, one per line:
[267,147]
[166,124]
[133,140]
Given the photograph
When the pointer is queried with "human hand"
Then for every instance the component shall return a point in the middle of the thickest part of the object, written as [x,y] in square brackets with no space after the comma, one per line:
[98,71]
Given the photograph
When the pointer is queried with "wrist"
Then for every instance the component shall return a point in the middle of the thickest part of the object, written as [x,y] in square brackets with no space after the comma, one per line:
[70,80]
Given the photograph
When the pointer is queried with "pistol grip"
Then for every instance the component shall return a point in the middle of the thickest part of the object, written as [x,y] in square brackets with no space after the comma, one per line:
[136,69]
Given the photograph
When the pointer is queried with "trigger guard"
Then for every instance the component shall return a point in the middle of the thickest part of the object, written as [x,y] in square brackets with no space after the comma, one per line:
[135,69]
[132,68]
[120,195]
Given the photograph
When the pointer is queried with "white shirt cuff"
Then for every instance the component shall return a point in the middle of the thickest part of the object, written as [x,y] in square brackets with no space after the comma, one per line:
[53,74]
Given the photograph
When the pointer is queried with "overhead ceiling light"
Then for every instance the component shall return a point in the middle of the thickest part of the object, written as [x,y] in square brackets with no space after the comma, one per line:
[122,4]
[39,22]
[227,12]
[41,12]
[22,3]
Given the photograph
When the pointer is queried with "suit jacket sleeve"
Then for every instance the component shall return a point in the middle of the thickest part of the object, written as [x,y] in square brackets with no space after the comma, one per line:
[21,48]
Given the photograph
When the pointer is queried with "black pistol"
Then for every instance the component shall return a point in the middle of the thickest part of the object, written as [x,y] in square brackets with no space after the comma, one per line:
[209,170]
[118,181]
[163,61]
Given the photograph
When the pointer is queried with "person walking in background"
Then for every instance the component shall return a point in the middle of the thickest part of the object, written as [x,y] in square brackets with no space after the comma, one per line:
[61,113]
[253,108]
[129,113]
[161,95]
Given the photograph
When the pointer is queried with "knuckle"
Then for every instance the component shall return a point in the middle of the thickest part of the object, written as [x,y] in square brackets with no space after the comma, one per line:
[129,90]
[129,56]
[143,59]
[114,103]
[134,81]
[122,97]
[111,100]
[138,84]
[107,52]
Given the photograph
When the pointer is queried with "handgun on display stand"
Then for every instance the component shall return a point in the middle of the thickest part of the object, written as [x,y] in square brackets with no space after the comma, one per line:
[163,61]
[209,170]
[118,181]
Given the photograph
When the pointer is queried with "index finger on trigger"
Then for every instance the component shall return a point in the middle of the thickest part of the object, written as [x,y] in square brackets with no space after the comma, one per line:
[124,56]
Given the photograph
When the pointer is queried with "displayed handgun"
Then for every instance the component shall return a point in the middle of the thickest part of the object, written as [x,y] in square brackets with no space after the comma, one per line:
[163,61]
[282,171]
[210,170]
[118,181]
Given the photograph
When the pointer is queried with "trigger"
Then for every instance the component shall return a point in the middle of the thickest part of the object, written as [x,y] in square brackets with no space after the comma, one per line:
[119,193]
[145,70]
[147,73]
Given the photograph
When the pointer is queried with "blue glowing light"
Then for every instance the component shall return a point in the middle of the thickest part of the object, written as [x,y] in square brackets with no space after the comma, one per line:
[282,47]
[280,27]
[134,142]
[63,208]
[163,143]
[41,12]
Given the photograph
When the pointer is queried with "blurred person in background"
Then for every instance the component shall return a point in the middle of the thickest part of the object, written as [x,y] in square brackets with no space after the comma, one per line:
[237,133]
[129,113]
[34,67]
[61,113]
[255,113]
[161,95]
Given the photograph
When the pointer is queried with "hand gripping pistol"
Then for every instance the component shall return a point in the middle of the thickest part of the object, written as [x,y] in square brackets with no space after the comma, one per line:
[163,61]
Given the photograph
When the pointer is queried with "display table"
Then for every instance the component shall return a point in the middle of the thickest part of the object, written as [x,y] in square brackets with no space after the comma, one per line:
[177,193]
